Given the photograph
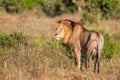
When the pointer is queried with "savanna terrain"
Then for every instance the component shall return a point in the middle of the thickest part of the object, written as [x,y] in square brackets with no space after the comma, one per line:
[29,51]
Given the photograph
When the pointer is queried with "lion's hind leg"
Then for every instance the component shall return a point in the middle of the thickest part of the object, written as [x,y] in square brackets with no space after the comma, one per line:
[97,59]
[97,62]
[91,48]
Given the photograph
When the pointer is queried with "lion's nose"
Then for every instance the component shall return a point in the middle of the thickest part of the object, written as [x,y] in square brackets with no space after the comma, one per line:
[55,34]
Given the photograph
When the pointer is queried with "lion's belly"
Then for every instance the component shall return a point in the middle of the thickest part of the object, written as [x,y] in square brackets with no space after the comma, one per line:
[83,43]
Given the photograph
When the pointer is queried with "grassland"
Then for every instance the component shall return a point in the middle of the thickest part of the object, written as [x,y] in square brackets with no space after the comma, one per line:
[41,57]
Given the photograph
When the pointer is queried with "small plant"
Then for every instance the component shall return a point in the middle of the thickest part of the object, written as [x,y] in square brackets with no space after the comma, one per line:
[13,39]
[111,46]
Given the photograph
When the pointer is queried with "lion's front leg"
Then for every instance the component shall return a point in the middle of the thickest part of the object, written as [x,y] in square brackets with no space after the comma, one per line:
[77,53]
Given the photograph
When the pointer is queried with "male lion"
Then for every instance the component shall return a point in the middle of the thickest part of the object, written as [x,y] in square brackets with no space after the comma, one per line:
[79,39]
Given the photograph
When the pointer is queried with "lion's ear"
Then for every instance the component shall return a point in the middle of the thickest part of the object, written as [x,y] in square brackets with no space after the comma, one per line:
[68,23]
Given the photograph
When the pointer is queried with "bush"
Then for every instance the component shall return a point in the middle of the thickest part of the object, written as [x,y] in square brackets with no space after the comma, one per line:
[57,7]
[20,5]
[108,8]
[111,46]
[13,39]
[103,9]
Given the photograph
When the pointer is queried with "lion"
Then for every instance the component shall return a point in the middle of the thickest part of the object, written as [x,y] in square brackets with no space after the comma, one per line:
[81,40]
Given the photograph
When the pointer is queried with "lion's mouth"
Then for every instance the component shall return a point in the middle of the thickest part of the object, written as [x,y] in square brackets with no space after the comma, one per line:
[58,38]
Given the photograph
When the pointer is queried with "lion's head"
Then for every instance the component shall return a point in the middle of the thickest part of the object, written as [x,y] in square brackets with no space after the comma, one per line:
[64,30]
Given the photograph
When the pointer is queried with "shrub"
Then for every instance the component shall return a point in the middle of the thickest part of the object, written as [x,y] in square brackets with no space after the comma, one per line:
[13,39]
[20,5]
[103,9]
[57,7]
[111,46]
[108,8]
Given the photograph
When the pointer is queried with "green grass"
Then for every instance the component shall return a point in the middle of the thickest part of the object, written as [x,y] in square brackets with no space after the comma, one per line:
[13,39]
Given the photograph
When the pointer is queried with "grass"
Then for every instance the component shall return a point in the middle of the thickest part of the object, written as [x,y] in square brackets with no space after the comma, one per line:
[44,58]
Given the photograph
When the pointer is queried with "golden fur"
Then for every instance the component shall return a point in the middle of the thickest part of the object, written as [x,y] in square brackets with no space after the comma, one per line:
[80,39]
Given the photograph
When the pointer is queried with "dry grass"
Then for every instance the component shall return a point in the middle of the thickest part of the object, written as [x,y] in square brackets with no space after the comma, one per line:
[45,59]
[32,64]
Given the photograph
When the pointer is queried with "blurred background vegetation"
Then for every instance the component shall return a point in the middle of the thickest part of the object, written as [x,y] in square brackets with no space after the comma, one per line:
[105,8]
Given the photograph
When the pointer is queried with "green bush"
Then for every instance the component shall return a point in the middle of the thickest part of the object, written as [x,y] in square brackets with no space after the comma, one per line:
[57,7]
[108,8]
[111,46]
[13,39]
[103,9]
[20,5]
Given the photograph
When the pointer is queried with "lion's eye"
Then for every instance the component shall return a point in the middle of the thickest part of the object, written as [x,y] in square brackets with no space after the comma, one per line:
[61,29]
